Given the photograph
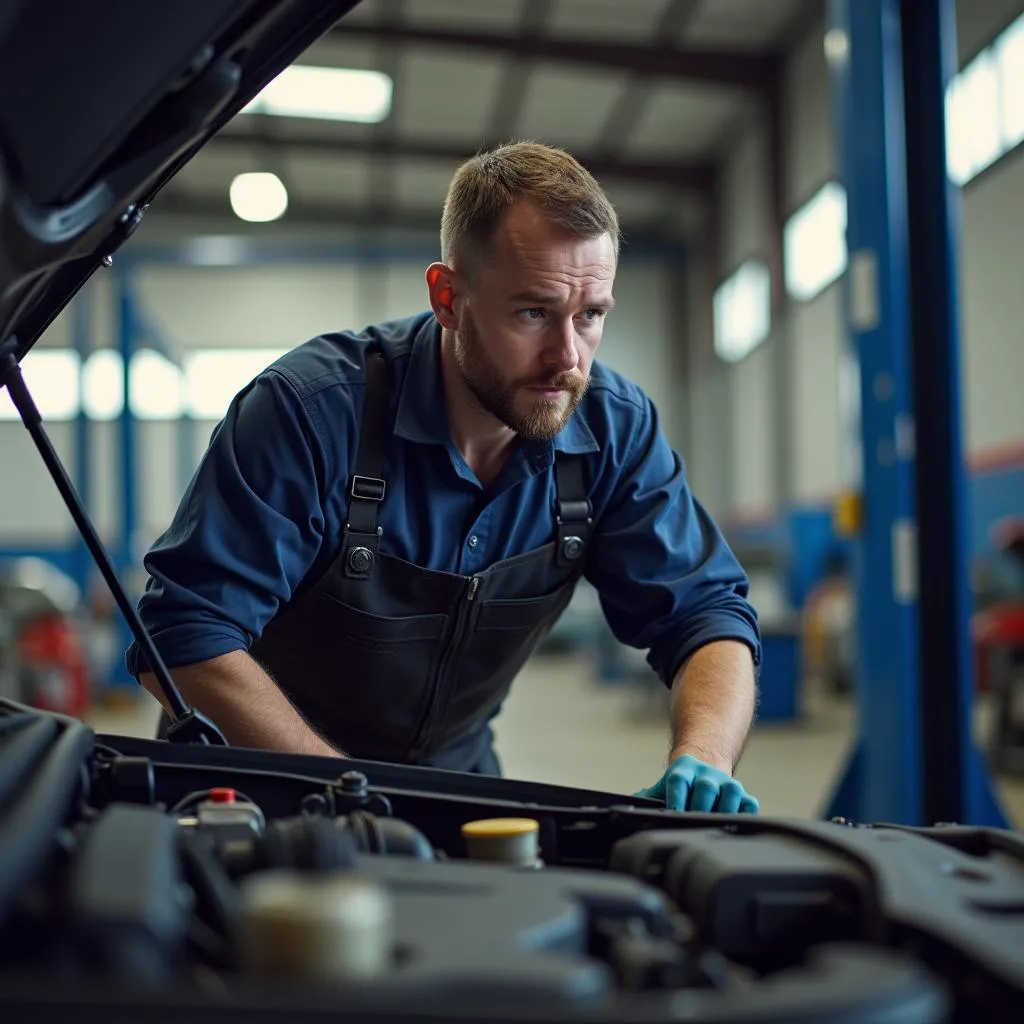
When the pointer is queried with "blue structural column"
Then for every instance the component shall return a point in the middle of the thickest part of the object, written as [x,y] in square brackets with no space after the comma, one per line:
[914,762]
[124,551]
[955,783]
[883,778]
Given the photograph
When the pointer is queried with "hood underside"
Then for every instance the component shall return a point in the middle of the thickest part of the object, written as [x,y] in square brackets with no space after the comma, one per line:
[100,106]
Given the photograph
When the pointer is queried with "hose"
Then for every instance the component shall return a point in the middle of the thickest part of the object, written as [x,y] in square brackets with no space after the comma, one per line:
[21,752]
[15,721]
[29,829]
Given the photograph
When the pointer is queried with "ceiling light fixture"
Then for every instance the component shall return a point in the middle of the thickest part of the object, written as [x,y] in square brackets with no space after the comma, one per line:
[333,94]
[258,196]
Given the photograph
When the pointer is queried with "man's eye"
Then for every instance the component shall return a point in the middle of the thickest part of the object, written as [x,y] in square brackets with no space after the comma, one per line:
[533,313]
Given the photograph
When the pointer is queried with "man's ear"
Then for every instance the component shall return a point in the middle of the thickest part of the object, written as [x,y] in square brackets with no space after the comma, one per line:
[441,286]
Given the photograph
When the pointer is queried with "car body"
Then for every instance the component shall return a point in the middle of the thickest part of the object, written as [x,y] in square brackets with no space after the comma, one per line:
[189,880]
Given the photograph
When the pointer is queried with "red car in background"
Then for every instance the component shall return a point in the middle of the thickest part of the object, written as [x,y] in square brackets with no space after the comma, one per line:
[43,653]
[997,633]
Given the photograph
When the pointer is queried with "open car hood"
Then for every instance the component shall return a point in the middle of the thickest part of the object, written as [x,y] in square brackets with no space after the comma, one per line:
[100,106]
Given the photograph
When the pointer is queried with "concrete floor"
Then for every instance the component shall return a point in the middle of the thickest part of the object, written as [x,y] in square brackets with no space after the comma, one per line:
[561,726]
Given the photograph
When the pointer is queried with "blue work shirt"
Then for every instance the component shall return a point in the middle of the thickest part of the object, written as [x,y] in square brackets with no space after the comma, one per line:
[267,506]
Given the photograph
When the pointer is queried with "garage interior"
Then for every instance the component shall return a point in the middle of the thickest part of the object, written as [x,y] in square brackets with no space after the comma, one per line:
[724,135]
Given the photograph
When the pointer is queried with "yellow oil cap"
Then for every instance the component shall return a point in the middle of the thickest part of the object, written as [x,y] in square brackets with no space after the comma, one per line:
[500,827]
[504,840]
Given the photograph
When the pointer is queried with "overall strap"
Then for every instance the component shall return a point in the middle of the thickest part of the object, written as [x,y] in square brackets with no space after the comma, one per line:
[572,508]
[367,486]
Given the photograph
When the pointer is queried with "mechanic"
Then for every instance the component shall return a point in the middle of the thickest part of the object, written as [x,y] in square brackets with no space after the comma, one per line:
[386,523]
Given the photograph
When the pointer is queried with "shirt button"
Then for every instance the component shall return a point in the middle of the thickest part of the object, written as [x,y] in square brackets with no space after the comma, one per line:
[472,541]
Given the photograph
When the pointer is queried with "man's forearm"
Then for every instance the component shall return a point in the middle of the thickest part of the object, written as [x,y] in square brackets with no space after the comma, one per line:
[245,703]
[713,700]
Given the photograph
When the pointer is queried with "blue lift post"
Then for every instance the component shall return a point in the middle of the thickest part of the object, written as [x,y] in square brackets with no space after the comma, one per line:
[956,786]
[124,549]
[883,778]
[914,762]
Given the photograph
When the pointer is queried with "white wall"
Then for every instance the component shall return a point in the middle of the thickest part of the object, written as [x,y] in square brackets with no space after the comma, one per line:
[754,480]
[274,307]
[992,253]
[810,341]
[782,400]
[753,483]
[815,438]
[708,419]
[816,331]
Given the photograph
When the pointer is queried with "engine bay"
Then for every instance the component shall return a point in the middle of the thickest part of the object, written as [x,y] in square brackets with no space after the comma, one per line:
[142,877]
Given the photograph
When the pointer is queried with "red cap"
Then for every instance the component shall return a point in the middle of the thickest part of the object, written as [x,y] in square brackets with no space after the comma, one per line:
[222,795]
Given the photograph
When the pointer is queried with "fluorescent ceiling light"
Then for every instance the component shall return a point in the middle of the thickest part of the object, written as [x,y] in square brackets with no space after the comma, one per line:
[334,94]
[258,196]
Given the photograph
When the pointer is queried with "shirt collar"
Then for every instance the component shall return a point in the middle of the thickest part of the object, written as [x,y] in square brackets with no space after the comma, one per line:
[421,414]
[423,417]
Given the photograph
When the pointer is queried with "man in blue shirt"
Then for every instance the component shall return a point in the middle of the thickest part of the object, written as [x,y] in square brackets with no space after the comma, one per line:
[387,523]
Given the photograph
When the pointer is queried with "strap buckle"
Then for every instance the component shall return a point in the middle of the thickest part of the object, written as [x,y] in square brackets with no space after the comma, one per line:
[573,512]
[369,488]
[574,521]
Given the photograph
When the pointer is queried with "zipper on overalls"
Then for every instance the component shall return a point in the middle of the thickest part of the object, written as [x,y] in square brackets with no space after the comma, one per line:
[441,684]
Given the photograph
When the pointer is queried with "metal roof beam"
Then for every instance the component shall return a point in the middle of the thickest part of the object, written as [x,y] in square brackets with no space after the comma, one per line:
[737,68]
[215,210]
[690,176]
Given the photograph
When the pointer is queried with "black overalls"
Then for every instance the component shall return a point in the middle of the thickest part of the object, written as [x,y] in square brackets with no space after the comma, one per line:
[393,662]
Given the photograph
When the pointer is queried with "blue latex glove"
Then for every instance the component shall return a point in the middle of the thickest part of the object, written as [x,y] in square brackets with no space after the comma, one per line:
[692,785]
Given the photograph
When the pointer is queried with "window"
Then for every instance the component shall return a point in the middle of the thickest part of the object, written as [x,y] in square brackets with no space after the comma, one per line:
[203,388]
[814,243]
[51,375]
[214,376]
[1010,57]
[972,115]
[156,391]
[103,384]
[985,106]
[742,311]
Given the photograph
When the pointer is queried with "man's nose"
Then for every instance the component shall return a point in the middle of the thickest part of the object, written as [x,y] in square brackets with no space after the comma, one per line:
[561,352]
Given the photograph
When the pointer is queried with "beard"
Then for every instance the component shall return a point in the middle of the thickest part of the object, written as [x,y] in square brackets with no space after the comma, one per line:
[534,416]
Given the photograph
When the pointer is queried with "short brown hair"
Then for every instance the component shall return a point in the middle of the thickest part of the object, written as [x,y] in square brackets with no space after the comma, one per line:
[485,186]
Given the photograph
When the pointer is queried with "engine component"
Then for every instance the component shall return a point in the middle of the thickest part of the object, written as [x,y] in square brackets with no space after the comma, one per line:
[133,780]
[771,890]
[222,812]
[326,927]
[127,905]
[388,836]
[750,895]
[307,844]
[316,844]
[506,840]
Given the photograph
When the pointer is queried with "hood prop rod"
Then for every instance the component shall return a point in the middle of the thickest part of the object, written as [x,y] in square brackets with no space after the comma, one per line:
[189,725]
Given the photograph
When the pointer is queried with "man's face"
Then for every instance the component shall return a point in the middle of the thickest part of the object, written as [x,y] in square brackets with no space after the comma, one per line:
[532,322]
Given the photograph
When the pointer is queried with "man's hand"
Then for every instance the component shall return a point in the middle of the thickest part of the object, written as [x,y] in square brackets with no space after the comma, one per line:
[692,785]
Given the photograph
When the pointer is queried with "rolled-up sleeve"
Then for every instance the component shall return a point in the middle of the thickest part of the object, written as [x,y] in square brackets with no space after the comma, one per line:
[247,529]
[667,580]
